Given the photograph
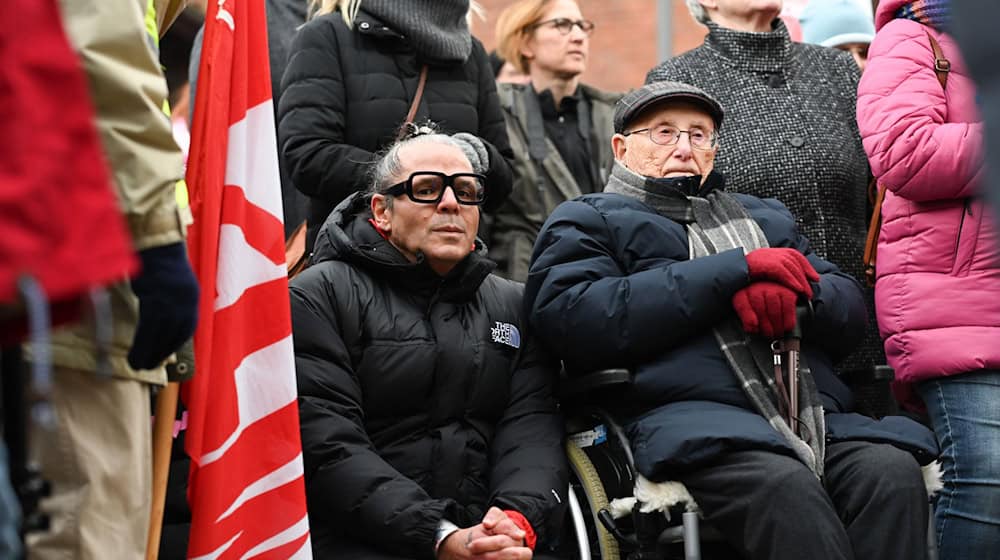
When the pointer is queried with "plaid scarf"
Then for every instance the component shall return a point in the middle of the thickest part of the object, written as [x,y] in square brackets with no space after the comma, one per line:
[932,13]
[717,222]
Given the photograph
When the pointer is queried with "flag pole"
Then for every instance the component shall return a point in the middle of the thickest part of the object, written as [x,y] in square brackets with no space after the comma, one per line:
[163,435]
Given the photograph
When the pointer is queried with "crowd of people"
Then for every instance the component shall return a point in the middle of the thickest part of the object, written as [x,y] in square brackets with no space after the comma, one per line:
[483,227]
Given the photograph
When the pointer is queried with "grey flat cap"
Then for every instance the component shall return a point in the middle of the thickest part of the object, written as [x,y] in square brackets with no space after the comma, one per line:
[637,100]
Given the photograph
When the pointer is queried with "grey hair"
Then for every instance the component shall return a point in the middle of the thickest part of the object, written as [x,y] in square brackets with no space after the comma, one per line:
[697,11]
[387,166]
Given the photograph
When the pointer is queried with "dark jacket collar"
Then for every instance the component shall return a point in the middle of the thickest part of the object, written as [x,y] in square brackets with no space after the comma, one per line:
[348,236]
[756,52]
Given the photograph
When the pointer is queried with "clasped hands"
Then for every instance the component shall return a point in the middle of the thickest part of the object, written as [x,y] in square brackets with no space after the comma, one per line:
[497,537]
[778,276]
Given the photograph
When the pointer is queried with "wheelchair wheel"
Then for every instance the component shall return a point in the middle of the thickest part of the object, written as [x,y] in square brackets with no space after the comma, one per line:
[588,483]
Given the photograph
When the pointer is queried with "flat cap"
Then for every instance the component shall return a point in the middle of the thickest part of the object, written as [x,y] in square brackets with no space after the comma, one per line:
[637,100]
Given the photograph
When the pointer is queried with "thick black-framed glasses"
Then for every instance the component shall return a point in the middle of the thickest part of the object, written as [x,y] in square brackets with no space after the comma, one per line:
[666,135]
[565,25]
[427,187]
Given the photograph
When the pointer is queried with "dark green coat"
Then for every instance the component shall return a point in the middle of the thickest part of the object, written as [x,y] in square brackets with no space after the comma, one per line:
[541,184]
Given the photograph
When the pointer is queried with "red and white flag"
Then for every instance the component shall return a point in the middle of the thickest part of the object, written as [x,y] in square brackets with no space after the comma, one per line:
[246,489]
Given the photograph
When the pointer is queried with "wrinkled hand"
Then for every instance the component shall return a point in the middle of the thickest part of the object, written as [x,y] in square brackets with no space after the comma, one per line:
[784,266]
[766,308]
[168,305]
[496,538]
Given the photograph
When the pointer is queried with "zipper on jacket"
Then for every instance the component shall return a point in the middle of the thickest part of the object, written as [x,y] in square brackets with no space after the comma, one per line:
[966,210]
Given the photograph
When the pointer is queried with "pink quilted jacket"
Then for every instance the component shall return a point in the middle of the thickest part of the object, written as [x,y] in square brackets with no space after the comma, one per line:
[937,296]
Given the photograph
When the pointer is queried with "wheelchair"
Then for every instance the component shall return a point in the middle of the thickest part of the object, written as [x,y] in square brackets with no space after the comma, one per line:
[609,516]
[609,522]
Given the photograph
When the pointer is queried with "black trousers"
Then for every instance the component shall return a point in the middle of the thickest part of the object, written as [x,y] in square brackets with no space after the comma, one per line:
[871,504]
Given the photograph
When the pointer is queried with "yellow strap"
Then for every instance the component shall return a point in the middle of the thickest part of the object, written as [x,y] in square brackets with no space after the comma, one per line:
[151,28]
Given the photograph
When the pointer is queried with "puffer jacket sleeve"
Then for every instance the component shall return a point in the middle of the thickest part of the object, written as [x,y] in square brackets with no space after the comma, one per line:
[589,310]
[493,129]
[312,115]
[529,472]
[347,482]
[902,111]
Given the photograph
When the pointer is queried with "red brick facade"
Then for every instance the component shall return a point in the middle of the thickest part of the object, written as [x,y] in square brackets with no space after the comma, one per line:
[623,47]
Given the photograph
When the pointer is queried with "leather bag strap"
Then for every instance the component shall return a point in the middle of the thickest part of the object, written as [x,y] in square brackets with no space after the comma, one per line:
[942,66]
[871,241]
[417,95]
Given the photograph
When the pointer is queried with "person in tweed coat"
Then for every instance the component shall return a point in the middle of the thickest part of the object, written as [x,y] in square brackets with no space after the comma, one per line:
[793,134]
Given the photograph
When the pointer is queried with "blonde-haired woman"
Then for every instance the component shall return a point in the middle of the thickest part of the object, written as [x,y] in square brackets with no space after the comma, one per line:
[352,74]
[560,129]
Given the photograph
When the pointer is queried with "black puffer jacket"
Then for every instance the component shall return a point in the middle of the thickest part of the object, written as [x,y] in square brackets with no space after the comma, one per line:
[420,398]
[345,92]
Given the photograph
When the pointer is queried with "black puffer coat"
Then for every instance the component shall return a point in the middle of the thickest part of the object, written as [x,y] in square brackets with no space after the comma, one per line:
[345,93]
[420,398]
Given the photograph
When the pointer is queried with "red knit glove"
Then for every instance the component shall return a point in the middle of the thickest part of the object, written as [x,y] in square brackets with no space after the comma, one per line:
[522,523]
[766,308]
[785,266]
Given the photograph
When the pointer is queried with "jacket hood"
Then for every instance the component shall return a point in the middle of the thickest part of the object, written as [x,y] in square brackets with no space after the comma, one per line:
[886,11]
[348,236]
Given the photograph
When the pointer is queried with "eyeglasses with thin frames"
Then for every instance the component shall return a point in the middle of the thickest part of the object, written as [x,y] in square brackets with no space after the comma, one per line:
[427,187]
[565,25]
[665,135]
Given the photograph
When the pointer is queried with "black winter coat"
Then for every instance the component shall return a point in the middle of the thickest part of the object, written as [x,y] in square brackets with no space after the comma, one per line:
[419,398]
[345,93]
[612,285]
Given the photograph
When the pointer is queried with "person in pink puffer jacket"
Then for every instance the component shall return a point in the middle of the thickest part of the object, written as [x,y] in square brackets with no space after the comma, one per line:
[937,293]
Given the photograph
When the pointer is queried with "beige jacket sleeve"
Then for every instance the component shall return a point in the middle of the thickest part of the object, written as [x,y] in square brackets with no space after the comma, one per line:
[128,91]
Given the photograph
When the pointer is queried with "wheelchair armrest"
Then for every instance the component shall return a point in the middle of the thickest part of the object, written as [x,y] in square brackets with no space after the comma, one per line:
[875,374]
[578,387]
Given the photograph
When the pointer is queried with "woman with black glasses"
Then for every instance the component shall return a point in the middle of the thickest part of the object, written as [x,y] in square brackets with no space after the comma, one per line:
[560,129]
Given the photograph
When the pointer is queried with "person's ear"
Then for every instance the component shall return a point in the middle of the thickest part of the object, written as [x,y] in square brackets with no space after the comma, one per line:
[709,4]
[618,147]
[526,53]
[381,213]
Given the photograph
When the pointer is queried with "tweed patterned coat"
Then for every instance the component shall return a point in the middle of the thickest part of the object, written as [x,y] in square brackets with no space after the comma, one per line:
[790,133]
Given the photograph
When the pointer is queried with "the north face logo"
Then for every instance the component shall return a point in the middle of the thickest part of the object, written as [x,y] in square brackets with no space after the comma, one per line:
[506,333]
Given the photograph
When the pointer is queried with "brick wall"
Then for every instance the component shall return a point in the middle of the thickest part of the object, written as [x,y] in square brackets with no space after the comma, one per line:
[623,48]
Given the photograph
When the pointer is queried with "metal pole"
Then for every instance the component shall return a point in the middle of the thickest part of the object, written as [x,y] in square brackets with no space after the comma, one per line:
[665,29]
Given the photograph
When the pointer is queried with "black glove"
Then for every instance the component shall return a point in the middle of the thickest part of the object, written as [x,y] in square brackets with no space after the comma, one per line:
[168,305]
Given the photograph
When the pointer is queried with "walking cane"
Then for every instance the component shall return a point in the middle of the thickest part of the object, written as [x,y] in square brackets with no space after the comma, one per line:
[790,345]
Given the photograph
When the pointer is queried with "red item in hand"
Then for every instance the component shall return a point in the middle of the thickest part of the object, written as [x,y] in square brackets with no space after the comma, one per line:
[785,266]
[529,533]
[766,308]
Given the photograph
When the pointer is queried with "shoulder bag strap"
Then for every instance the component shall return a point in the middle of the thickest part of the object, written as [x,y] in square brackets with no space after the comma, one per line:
[415,104]
[942,66]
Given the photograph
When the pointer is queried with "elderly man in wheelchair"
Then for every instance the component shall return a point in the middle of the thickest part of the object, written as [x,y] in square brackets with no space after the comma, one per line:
[692,289]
